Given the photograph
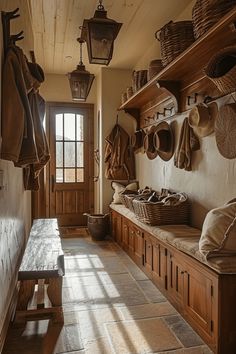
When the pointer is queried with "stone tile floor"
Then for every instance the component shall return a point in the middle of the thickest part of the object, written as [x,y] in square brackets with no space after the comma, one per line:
[110,306]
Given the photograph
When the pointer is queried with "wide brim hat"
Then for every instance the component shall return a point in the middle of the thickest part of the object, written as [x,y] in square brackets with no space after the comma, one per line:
[136,139]
[163,140]
[202,119]
[225,131]
[148,145]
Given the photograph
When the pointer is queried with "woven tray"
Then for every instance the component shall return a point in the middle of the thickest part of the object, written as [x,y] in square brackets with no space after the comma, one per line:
[123,195]
[174,38]
[159,214]
[206,13]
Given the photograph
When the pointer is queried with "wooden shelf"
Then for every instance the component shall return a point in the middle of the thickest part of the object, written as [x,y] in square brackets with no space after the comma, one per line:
[185,74]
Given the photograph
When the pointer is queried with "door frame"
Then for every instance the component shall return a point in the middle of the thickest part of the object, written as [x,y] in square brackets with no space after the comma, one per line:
[90,108]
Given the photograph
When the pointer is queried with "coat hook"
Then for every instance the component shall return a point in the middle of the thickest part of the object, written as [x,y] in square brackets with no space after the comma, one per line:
[6,18]
[192,98]
[16,37]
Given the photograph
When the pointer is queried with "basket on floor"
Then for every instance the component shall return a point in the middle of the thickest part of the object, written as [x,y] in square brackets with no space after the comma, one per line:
[157,213]
[174,38]
[206,13]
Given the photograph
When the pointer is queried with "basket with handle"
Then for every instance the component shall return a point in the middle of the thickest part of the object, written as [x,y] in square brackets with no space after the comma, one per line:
[221,70]
[174,38]
[159,213]
[206,13]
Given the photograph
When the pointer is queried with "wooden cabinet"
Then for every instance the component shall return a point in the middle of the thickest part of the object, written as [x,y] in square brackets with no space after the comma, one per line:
[175,279]
[159,264]
[203,297]
[193,291]
[136,243]
[147,254]
[125,234]
[155,260]
[116,221]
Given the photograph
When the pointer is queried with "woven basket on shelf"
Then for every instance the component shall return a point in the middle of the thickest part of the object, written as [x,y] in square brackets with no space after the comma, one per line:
[221,70]
[206,13]
[159,214]
[174,38]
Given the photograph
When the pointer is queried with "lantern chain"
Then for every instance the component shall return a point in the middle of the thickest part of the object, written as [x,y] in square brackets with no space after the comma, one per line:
[100,6]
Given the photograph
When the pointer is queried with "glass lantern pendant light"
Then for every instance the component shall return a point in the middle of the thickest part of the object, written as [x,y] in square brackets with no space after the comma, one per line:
[80,79]
[99,33]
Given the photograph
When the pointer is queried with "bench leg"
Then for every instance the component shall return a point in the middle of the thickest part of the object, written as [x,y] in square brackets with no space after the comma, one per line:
[26,292]
[55,296]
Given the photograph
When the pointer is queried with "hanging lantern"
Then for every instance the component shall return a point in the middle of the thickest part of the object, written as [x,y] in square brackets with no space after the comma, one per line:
[99,33]
[80,79]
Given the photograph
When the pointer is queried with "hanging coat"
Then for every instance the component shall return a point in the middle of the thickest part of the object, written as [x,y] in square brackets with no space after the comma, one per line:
[18,140]
[119,155]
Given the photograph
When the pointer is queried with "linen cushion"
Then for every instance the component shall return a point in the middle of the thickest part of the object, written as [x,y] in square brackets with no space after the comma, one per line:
[119,188]
[218,237]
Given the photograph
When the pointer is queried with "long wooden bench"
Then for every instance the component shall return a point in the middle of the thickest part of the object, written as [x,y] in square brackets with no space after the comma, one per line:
[203,291]
[40,275]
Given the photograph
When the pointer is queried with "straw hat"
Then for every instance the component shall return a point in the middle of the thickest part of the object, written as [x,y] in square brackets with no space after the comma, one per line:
[202,119]
[164,141]
[136,140]
[149,148]
[225,131]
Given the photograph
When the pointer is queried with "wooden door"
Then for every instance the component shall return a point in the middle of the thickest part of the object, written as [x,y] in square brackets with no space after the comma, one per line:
[199,297]
[125,234]
[148,254]
[175,282]
[138,245]
[71,190]
[116,222]
[159,274]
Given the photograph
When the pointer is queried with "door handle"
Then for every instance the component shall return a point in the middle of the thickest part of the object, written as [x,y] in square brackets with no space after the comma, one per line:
[53,183]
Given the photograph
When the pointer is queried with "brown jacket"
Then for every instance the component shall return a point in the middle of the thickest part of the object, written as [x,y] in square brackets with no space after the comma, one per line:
[119,155]
[18,139]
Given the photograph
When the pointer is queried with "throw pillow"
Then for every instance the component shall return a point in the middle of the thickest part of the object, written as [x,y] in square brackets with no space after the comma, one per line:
[218,236]
[119,188]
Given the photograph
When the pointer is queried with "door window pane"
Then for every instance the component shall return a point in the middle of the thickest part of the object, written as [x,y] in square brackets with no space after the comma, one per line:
[59,154]
[59,175]
[69,126]
[80,127]
[69,159]
[69,175]
[59,127]
[80,154]
[80,175]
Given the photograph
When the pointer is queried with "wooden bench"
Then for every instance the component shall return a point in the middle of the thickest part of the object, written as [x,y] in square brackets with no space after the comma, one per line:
[40,275]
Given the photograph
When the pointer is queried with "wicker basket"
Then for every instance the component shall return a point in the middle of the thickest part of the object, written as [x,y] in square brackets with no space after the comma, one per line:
[159,214]
[174,38]
[126,193]
[206,13]
[221,70]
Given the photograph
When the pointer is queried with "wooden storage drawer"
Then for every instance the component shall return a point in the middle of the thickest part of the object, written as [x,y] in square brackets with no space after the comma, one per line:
[159,272]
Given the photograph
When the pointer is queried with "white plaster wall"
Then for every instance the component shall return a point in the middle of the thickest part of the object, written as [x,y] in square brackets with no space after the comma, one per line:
[56,88]
[15,203]
[113,83]
[213,179]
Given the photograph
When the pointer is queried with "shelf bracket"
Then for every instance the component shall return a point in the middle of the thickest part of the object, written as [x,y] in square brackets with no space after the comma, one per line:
[174,89]
[135,113]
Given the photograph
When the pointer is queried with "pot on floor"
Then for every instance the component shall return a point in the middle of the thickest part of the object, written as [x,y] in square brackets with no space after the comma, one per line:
[98,225]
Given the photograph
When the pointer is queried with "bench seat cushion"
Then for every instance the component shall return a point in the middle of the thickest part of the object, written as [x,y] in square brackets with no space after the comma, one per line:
[184,238]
